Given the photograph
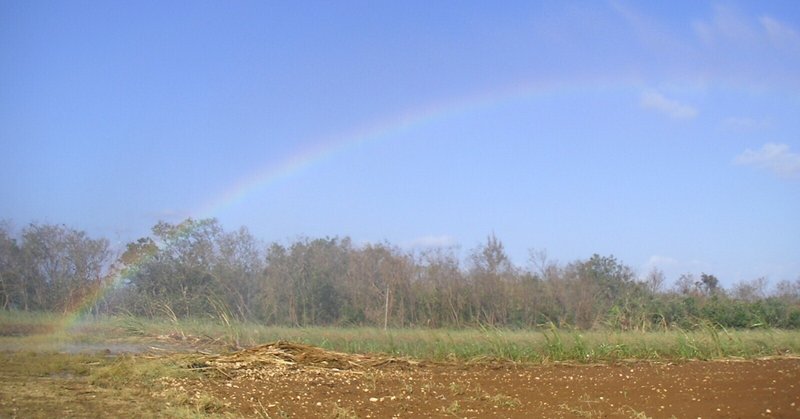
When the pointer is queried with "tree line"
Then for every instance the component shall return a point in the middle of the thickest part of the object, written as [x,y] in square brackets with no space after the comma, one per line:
[197,269]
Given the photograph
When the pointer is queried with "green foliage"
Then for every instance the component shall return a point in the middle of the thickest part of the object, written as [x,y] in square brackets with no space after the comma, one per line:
[548,343]
[50,267]
[196,270]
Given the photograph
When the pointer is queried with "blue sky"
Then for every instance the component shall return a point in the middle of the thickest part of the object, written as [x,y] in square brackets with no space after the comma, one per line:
[664,133]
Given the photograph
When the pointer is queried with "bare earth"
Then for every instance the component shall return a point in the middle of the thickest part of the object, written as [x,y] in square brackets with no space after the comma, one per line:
[289,380]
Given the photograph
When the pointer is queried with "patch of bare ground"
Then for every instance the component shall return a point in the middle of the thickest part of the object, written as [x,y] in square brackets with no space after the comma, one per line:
[285,379]
[13,329]
[68,397]
[290,380]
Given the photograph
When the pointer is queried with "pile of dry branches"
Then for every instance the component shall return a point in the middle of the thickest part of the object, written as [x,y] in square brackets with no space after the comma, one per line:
[293,355]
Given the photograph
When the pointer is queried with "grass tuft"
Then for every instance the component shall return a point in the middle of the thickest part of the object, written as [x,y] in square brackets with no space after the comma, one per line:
[46,333]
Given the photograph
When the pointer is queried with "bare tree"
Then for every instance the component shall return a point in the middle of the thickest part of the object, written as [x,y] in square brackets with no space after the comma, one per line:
[62,267]
[542,266]
[12,287]
[788,291]
[751,291]
[239,268]
[173,271]
[489,275]
[445,290]
[654,281]
[685,284]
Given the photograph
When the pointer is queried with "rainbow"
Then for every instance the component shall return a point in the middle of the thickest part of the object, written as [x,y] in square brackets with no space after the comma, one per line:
[330,146]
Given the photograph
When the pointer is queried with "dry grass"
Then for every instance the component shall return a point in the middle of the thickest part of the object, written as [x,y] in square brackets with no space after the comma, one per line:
[292,355]
[43,333]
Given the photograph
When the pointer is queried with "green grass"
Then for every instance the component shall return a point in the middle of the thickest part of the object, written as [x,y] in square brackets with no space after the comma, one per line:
[541,345]
[38,356]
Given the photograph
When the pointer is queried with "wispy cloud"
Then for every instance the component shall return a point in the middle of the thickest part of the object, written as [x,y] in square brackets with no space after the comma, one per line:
[741,47]
[168,214]
[431,241]
[744,123]
[670,107]
[777,158]
[673,267]
[649,31]
[726,25]
[780,34]
[659,261]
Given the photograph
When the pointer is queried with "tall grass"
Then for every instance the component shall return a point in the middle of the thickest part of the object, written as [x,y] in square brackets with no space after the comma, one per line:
[548,344]
[540,345]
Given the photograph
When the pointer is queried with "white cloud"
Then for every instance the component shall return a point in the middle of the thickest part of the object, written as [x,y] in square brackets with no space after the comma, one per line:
[665,264]
[726,25]
[776,158]
[673,108]
[656,261]
[673,267]
[727,44]
[431,241]
[780,34]
[744,123]
[740,47]
[168,214]
[729,27]
[649,31]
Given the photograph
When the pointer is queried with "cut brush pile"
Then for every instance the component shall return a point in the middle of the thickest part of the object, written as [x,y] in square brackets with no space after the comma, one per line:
[290,354]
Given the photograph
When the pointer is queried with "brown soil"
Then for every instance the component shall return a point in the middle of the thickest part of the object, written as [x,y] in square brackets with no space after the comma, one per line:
[24,329]
[291,380]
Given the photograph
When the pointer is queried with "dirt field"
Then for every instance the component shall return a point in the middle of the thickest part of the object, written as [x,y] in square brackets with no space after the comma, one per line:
[289,380]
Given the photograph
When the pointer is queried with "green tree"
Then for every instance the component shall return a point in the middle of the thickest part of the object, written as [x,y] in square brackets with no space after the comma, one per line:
[173,270]
[708,284]
[61,267]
